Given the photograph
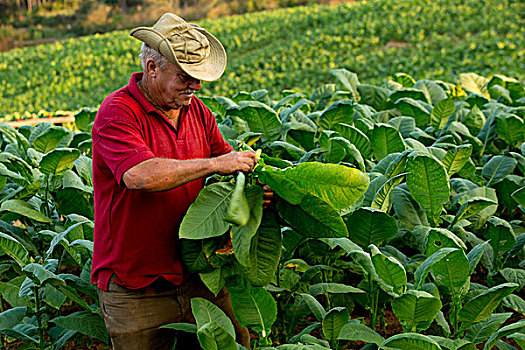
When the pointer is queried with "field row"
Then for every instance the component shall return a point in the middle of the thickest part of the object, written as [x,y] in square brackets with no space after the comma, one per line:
[291,48]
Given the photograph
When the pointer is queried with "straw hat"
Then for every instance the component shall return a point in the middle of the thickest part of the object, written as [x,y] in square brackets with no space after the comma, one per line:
[193,49]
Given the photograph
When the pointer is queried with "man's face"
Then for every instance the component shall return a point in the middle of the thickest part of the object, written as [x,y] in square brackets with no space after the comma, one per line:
[174,88]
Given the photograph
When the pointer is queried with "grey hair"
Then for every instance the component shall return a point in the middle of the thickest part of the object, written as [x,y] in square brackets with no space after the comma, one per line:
[147,53]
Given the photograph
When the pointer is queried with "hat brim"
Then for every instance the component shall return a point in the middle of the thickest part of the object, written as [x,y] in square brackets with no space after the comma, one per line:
[209,69]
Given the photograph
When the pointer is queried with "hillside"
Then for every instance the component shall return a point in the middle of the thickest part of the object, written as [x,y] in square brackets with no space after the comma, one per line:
[291,48]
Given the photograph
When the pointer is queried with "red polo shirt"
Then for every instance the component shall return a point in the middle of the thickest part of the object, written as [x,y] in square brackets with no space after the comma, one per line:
[136,231]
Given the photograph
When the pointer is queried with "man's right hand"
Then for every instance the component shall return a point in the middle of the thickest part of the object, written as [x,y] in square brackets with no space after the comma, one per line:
[231,162]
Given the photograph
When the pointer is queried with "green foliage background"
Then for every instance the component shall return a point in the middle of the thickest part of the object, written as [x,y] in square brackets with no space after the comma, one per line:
[286,49]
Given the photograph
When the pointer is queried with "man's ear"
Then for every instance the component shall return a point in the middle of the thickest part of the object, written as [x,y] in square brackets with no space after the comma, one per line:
[151,68]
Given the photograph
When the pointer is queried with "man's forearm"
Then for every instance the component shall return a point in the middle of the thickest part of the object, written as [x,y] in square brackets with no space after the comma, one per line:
[161,174]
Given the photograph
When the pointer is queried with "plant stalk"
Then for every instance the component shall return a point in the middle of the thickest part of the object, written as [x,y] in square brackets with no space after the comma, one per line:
[46,196]
[41,339]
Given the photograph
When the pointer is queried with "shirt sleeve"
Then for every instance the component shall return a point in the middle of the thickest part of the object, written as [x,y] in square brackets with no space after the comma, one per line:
[121,147]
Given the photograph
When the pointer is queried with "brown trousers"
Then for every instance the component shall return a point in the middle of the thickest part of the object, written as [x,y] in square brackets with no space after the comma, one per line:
[133,317]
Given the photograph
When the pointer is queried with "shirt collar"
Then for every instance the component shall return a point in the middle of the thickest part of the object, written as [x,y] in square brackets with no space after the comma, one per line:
[137,94]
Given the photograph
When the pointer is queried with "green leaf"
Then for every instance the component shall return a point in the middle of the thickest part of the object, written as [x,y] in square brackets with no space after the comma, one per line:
[404,79]
[300,134]
[428,183]
[40,275]
[453,344]
[253,306]
[517,327]
[481,331]
[355,137]
[416,310]
[479,219]
[336,148]
[213,337]
[185,327]
[432,90]
[349,81]
[410,341]
[405,125]
[239,209]
[337,185]
[419,110]
[332,324]
[441,112]
[12,317]
[370,226]
[58,161]
[23,208]
[72,294]
[316,307]
[510,128]
[423,269]
[456,158]
[14,249]
[358,331]
[242,236]
[84,118]
[339,112]
[53,297]
[364,262]
[519,196]
[205,217]
[260,118]
[383,199]
[346,244]
[501,235]
[373,96]
[265,250]
[514,276]
[10,290]
[408,211]
[397,166]
[84,322]
[474,120]
[475,255]
[281,183]
[497,168]
[214,280]
[335,288]
[323,95]
[206,312]
[313,217]
[452,271]
[49,139]
[389,270]
[386,139]
[294,113]
[514,303]
[474,83]
[471,207]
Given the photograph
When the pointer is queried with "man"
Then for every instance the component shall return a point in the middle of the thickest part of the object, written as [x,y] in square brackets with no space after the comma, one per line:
[154,142]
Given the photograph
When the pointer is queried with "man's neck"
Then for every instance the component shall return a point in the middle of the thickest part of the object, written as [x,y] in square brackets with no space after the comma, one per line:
[171,114]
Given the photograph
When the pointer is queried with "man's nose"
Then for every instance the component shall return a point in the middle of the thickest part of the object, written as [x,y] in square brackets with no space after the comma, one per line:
[195,85]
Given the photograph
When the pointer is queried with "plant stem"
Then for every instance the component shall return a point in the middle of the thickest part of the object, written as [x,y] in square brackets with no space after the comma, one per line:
[46,195]
[455,310]
[2,339]
[41,340]
[374,299]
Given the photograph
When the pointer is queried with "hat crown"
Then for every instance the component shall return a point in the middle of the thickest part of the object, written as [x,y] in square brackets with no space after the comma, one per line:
[193,49]
[188,43]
